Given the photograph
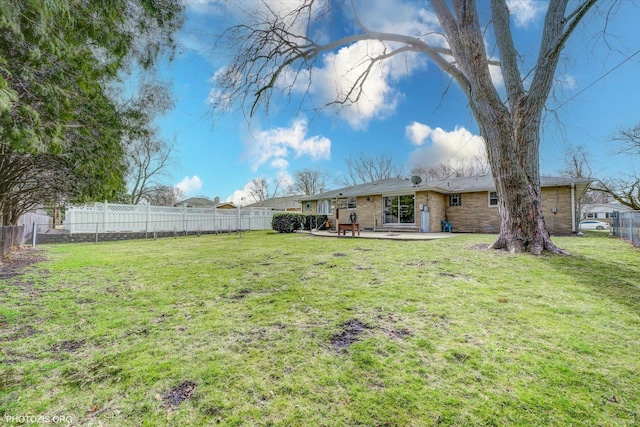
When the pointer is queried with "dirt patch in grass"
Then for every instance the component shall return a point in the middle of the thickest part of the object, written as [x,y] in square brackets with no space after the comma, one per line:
[480,246]
[421,263]
[400,333]
[350,333]
[70,345]
[16,260]
[20,331]
[174,397]
[241,294]
[339,254]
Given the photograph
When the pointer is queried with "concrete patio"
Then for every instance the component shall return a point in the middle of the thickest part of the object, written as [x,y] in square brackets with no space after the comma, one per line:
[389,235]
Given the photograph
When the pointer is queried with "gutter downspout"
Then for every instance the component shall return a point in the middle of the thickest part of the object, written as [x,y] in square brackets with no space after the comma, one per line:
[573,208]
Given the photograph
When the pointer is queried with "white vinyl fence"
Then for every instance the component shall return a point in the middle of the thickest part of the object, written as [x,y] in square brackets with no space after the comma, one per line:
[110,217]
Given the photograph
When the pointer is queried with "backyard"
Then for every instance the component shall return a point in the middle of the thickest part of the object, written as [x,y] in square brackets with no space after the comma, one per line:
[290,329]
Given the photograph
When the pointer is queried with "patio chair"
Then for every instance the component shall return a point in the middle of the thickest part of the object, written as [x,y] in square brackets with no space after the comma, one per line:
[446,226]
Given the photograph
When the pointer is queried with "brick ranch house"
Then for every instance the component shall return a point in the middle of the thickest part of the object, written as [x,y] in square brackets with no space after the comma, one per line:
[470,204]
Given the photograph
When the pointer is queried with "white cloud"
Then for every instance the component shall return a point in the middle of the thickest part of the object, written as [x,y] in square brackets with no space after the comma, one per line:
[566,81]
[436,145]
[340,70]
[525,12]
[241,197]
[190,185]
[340,73]
[496,75]
[279,163]
[417,132]
[275,145]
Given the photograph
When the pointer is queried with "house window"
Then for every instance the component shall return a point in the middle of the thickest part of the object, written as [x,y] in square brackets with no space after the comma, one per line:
[324,207]
[399,209]
[351,203]
[592,215]
[455,199]
[493,198]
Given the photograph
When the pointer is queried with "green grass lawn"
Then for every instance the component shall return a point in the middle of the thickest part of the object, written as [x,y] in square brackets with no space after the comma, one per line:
[288,329]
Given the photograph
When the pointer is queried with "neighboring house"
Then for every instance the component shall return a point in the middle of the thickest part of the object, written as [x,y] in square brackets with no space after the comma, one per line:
[291,204]
[203,202]
[602,211]
[469,204]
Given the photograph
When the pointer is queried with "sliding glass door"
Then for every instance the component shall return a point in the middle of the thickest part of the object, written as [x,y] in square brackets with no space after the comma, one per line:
[399,209]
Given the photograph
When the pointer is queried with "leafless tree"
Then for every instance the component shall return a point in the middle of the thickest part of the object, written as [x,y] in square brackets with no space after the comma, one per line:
[368,169]
[478,166]
[629,140]
[148,156]
[577,165]
[625,189]
[309,181]
[261,189]
[149,159]
[164,195]
[279,49]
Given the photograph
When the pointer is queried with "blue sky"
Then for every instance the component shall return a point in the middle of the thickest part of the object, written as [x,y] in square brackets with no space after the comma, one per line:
[410,113]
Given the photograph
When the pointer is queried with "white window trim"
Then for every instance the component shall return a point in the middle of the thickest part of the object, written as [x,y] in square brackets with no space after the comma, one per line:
[324,203]
[355,206]
[489,199]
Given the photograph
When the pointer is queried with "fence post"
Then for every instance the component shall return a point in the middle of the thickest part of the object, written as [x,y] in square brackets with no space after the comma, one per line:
[104,220]
[146,223]
[184,219]
[35,231]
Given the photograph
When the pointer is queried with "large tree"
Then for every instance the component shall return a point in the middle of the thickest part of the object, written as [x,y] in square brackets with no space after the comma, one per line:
[60,61]
[280,47]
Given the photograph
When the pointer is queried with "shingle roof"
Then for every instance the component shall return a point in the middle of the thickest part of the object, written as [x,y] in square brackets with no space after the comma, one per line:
[448,185]
[278,203]
[197,202]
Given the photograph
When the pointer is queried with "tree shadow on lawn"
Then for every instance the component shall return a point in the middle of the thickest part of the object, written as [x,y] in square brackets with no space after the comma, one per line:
[614,281]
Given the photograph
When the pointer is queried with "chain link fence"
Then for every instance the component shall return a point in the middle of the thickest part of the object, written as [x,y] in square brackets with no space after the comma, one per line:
[127,230]
[626,225]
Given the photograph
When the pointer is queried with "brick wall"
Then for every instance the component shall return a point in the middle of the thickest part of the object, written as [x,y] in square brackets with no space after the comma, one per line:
[476,216]
[558,198]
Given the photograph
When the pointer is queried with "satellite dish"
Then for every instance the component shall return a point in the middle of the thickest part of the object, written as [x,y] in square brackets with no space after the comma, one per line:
[416,180]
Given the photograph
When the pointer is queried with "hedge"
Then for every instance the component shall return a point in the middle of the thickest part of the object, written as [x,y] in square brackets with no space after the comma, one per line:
[288,222]
[315,222]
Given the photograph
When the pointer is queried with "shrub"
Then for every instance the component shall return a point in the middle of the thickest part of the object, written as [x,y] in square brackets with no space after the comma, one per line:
[314,221]
[287,222]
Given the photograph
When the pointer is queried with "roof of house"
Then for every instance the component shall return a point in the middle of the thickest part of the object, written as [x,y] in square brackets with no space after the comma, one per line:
[197,202]
[447,186]
[605,207]
[278,203]
[203,202]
